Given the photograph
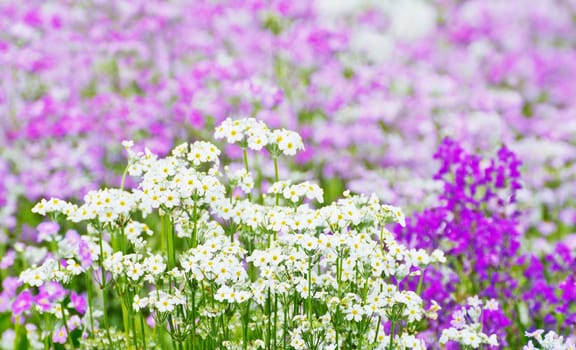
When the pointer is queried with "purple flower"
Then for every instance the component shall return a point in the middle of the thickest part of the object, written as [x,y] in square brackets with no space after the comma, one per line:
[60,336]
[78,302]
[8,259]
[10,285]
[54,290]
[84,254]
[22,303]
[44,301]
[47,230]
[5,302]
[475,223]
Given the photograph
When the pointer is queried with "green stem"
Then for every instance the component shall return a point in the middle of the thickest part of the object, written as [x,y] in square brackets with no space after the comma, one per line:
[276,178]
[309,291]
[223,327]
[90,301]
[132,320]
[17,333]
[391,344]
[377,330]
[245,321]
[274,329]
[420,281]
[195,230]
[337,341]
[361,340]
[125,321]
[268,321]
[172,332]
[46,342]
[245,156]
[68,334]
[142,329]
[193,313]
[123,240]
[122,182]
[169,233]
[285,325]
[103,287]
[49,327]
[105,313]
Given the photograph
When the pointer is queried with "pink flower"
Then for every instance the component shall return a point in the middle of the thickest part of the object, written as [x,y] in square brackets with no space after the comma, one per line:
[78,302]
[47,230]
[84,254]
[54,290]
[43,301]
[60,336]
[22,303]
[8,259]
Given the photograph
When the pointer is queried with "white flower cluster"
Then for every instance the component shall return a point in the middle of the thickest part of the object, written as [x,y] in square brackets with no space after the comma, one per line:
[297,191]
[134,231]
[220,251]
[53,205]
[135,266]
[251,131]
[36,277]
[550,341]
[202,152]
[160,301]
[216,260]
[241,178]
[104,205]
[65,263]
[467,324]
[51,271]
[403,341]
[255,135]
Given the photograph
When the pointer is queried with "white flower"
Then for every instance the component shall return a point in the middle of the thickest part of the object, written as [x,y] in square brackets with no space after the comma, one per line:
[257,139]
[474,301]
[164,304]
[154,265]
[551,341]
[413,312]
[36,277]
[202,152]
[241,178]
[409,341]
[74,267]
[491,305]
[224,294]
[470,338]
[139,303]
[469,334]
[134,271]
[308,242]
[238,130]
[288,142]
[355,313]
[458,319]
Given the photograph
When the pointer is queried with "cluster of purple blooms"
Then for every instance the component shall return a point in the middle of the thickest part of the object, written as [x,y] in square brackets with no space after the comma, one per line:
[477,224]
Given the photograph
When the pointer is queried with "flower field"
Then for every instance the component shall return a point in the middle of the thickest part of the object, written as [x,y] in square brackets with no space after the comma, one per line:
[288,174]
